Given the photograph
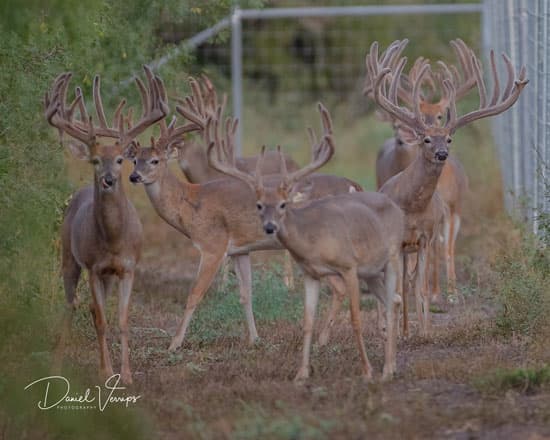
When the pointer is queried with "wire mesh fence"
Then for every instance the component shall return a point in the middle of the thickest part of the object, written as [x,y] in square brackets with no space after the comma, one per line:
[288,58]
[520,28]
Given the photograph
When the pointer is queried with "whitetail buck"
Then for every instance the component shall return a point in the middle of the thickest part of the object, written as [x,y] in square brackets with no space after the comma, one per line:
[395,155]
[101,230]
[218,216]
[340,239]
[414,188]
[194,164]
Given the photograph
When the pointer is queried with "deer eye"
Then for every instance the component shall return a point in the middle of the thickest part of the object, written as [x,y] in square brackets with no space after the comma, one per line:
[427,140]
[259,206]
[155,161]
[95,161]
[449,140]
[119,160]
[135,161]
[439,117]
[282,205]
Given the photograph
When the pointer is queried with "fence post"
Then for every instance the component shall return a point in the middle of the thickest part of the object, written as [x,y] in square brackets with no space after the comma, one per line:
[237,73]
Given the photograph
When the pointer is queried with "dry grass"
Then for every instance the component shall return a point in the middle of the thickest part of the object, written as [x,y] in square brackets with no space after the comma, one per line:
[217,386]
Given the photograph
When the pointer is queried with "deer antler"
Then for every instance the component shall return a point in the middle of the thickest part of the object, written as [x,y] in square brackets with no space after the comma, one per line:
[389,58]
[221,152]
[202,103]
[322,150]
[386,98]
[58,115]
[498,103]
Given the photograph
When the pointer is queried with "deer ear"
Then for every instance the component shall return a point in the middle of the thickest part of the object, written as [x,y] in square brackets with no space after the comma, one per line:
[407,135]
[131,150]
[301,192]
[79,150]
[171,152]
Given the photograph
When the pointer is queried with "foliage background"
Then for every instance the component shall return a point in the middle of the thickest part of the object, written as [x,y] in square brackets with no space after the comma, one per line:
[39,40]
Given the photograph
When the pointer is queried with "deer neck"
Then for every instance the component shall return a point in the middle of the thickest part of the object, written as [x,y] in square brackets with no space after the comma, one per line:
[289,232]
[419,183]
[173,200]
[195,166]
[110,213]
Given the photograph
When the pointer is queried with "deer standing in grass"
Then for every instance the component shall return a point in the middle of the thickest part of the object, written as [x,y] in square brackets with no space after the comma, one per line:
[395,155]
[218,216]
[193,162]
[341,238]
[101,230]
[413,189]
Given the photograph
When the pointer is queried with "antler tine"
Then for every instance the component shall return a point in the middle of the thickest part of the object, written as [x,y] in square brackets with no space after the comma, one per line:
[220,163]
[464,55]
[390,107]
[322,151]
[155,108]
[59,116]
[98,103]
[496,86]
[417,90]
[450,96]
[389,58]
[118,113]
[498,103]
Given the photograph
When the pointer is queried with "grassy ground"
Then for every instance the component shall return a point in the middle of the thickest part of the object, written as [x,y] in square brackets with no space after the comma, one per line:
[468,380]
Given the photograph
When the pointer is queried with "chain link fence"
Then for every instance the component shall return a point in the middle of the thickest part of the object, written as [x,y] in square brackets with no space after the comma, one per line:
[521,28]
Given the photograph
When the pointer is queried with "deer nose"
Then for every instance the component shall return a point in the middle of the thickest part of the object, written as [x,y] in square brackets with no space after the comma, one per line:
[441,155]
[135,177]
[270,228]
[108,181]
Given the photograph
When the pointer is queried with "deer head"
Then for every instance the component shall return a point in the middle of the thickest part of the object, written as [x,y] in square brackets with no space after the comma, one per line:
[106,158]
[435,140]
[272,201]
[464,80]
[151,162]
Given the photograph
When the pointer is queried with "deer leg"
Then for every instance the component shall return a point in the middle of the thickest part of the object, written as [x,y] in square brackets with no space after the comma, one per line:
[392,288]
[450,254]
[125,292]
[289,273]
[209,265]
[310,306]
[71,275]
[352,286]
[97,309]
[422,296]
[338,290]
[244,275]
[435,256]
[225,269]
[405,293]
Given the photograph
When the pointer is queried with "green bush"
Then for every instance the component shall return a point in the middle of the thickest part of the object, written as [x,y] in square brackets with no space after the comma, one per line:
[521,379]
[521,287]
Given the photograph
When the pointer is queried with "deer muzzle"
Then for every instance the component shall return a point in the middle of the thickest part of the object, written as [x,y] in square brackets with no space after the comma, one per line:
[441,155]
[135,177]
[107,181]
[270,228]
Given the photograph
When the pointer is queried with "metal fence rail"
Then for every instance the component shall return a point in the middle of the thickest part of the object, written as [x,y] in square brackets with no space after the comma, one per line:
[239,16]
[520,28]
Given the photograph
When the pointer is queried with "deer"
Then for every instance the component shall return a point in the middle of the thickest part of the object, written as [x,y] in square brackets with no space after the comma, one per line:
[342,238]
[414,189]
[395,155]
[101,230]
[193,162]
[217,216]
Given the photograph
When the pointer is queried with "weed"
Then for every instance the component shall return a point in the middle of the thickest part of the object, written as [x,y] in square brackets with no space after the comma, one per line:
[525,380]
